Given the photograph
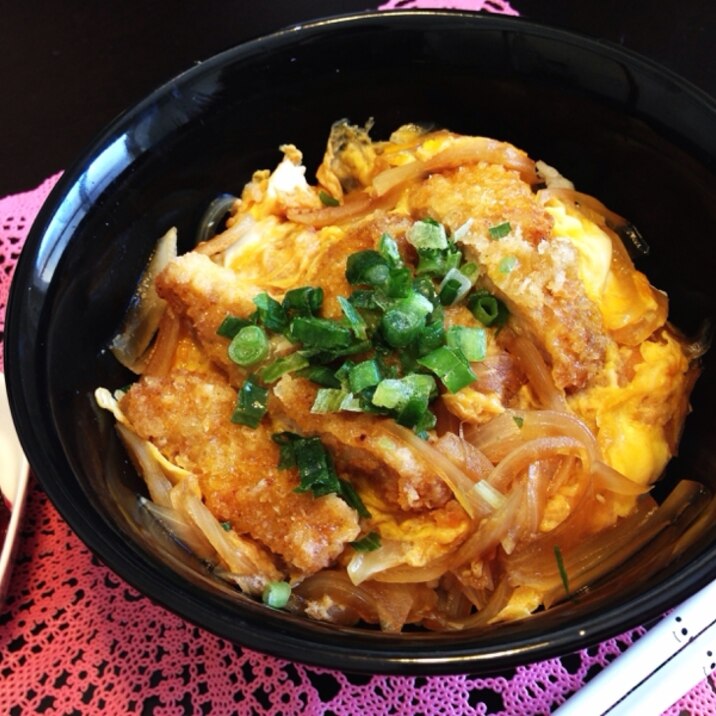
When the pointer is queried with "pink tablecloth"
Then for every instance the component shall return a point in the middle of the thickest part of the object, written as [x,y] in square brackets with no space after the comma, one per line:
[76,639]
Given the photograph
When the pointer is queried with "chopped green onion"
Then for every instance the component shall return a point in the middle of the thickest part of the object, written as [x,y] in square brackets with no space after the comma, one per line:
[226,526]
[321,375]
[432,337]
[305,301]
[368,267]
[327,199]
[488,309]
[401,327]
[321,333]
[388,248]
[454,287]
[355,320]
[231,325]
[400,283]
[363,298]
[519,420]
[369,543]
[329,400]
[286,442]
[427,234]
[437,262]
[408,397]
[251,404]
[507,264]
[352,498]
[471,342]
[561,568]
[276,594]
[364,375]
[271,313]
[250,345]
[499,231]
[450,366]
[286,364]
[315,469]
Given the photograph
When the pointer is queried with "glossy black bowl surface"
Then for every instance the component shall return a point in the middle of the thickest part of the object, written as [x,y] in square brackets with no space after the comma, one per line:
[623,129]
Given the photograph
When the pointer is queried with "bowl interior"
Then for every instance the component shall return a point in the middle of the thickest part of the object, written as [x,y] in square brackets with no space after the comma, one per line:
[641,140]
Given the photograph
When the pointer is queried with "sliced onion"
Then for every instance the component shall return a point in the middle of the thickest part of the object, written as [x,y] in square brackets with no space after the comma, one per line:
[533,365]
[214,217]
[405,574]
[498,601]
[142,319]
[180,529]
[465,150]
[355,205]
[242,556]
[335,586]
[161,358]
[507,471]
[365,565]
[506,431]
[458,482]
[607,478]
[156,481]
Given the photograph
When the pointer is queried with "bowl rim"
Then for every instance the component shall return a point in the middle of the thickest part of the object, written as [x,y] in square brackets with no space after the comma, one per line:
[323,646]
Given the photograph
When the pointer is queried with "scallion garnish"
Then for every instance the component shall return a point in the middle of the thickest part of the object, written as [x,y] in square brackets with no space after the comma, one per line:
[561,568]
[367,267]
[427,234]
[327,199]
[355,320]
[321,333]
[365,374]
[471,342]
[499,231]
[507,264]
[450,366]
[488,309]
[315,469]
[251,403]
[321,375]
[271,313]
[454,287]
[231,325]
[276,594]
[249,346]
[286,364]
[388,248]
[369,543]
[305,301]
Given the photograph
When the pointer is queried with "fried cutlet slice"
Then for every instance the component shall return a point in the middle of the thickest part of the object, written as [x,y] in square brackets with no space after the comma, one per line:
[188,417]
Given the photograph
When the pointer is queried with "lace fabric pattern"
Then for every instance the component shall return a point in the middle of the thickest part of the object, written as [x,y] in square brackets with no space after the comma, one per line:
[76,639]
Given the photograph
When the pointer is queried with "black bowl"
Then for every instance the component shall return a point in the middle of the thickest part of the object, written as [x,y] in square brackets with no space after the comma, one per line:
[622,128]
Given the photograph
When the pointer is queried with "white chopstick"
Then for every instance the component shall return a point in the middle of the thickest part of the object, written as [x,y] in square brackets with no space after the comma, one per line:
[667,662]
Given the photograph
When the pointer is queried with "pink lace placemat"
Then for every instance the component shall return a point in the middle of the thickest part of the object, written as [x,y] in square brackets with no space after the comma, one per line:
[77,639]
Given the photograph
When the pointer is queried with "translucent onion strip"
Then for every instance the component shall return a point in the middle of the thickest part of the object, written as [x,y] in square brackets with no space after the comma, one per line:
[355,205]
[156,481]
[465,150]
[458,482]
[242,556]
[145,311]
[335,587]
[533,365]
[508,430]
[533,451]
[180,528]
[165,346]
